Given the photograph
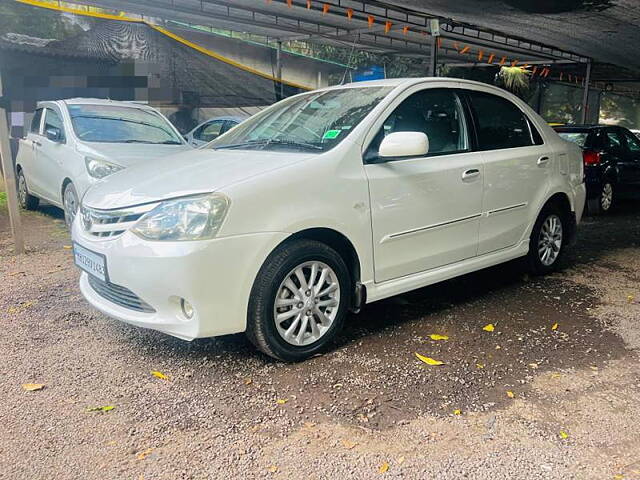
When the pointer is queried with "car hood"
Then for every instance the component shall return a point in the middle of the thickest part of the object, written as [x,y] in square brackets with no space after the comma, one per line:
[128,154]
[192,172]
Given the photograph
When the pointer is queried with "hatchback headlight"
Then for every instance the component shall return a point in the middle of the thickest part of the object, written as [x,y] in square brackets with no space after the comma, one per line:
[189,218]
[98,168]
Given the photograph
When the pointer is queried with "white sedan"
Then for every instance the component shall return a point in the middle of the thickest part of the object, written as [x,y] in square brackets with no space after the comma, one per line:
[212,129]
[73,144]
[326,201]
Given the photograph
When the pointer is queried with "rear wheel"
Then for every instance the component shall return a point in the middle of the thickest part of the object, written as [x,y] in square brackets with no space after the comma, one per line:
[299,300]
[70,202]
[547,241]
[27,201]
[603,203]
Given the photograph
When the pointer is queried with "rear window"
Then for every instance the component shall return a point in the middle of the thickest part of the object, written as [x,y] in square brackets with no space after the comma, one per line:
[579,138]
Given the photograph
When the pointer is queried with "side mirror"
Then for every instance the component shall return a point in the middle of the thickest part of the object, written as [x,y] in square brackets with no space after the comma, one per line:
[54,134]
[404,144]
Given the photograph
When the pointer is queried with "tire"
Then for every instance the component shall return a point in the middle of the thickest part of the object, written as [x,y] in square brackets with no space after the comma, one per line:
[71,203]
[548,240]
[27,201]
[603,203]
[277,280]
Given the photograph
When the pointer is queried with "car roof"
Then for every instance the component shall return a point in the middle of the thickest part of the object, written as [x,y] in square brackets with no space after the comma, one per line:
[97,101]
[581,128]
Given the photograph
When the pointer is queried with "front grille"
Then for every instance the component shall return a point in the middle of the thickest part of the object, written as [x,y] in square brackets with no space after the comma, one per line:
[111,223]
[119,295]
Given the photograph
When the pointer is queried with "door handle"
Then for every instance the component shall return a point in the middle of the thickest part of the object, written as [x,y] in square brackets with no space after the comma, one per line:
[542,161]
[471,173]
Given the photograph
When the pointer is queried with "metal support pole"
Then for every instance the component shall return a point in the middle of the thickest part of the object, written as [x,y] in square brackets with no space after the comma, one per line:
[279,70]
[9,178]
[585,95]
[433,61]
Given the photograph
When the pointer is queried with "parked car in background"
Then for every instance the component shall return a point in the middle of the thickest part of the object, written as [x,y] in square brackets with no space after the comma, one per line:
[73,144]
[212,129]
[611,157]
[326,201]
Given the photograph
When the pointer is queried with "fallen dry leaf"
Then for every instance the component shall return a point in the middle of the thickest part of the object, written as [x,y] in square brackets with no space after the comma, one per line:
[144,454]
[67,247]
[435,336]
[248,381]
[272,469]
[282,401]
[479,365]
[159,375]
[489,328]
[429,361]
[533,365]
[457,412]
[103,409]
[348,444]
[383,468]
[629,298]
[11,274]
[510,394]
[32,387]
[554,326]
[564,435]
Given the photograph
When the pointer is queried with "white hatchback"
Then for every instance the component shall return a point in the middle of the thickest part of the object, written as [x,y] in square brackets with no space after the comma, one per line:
[326,201]
[75,143]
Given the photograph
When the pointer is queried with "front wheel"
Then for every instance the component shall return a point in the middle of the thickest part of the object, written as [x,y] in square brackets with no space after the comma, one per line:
[70,202]
[299,300]
[547,241]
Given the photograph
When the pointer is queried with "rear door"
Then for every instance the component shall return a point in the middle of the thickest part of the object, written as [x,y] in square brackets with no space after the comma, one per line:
[517,167]
[425,210]
[28,154]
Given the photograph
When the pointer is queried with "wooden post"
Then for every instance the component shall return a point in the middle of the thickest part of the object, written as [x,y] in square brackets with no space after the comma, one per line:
[9,177]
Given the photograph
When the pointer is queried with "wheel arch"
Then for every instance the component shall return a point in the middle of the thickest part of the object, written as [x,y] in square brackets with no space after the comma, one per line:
[65,182]
[345,248]
[562,201]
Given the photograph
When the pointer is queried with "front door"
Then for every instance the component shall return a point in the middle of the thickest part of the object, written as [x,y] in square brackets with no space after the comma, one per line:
[28,154]
[425,211]
[517,166]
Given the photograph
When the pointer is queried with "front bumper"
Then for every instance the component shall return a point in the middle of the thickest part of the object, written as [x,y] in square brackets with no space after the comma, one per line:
[214,276]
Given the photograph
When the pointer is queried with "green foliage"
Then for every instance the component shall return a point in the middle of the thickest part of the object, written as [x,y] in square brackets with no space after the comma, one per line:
[3,199]
[36,22]
[622,110]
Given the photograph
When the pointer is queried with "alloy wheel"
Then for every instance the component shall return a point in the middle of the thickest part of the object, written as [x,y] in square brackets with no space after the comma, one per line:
[307,303]
[550,240]
[70,205]
[606,197]
[22,190]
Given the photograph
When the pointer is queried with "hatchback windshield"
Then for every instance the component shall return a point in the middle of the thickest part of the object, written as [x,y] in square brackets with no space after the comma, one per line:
[317,121]
[115,124]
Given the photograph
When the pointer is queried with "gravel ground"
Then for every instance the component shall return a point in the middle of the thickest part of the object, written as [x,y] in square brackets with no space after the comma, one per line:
[525,401]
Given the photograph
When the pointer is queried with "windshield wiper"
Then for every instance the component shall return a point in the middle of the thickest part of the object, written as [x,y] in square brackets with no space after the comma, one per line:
[270,141]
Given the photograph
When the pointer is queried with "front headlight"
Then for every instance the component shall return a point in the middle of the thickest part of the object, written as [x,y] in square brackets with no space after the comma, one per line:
[189,218]
[100,168]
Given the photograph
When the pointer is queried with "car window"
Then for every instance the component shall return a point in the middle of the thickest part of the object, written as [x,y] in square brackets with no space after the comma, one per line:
[613,140]
[209,131]
[53,120]
[500,123]
[437,113]
[632,142]
[35,121]
[228,125]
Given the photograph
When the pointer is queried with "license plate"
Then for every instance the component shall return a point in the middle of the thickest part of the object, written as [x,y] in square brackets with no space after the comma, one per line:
[91,262]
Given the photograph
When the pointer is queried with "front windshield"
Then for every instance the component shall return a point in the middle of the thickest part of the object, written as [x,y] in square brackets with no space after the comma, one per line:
[316,121]
[117,124]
